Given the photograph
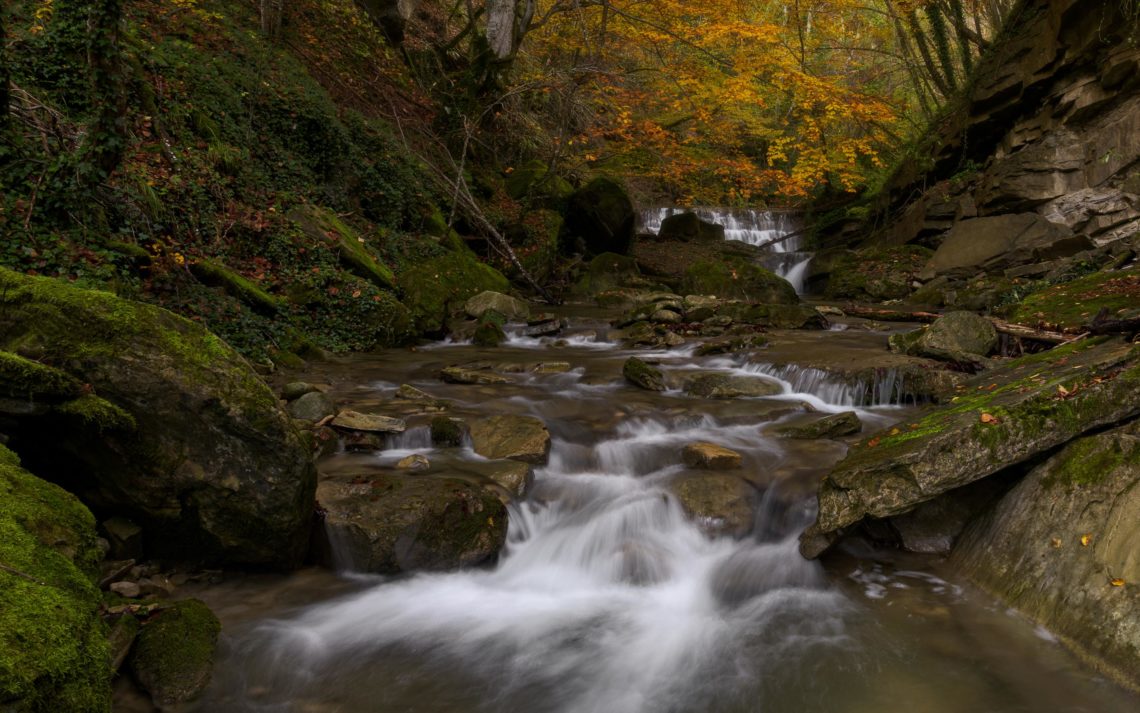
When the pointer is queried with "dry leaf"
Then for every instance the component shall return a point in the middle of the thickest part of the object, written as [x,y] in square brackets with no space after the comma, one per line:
[1055,543]
[989,418]
[1086,539]
[895,431]
[1117,582]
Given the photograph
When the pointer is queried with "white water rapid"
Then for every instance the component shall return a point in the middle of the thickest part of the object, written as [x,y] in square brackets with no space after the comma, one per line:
[755,227]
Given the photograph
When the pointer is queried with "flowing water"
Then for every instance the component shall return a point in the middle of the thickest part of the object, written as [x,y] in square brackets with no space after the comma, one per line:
[608,599]
[776,232]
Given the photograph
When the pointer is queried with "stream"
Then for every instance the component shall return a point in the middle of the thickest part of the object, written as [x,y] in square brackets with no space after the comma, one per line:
[607,597]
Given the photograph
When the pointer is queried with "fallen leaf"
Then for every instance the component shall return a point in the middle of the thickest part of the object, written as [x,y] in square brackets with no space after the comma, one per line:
[1117,582]
[1055,543]
[873,442]
[1062,391]
[895,431]
[1086,539]
[989,418]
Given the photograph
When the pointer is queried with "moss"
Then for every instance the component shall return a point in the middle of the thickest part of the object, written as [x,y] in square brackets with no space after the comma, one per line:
[25,379]
[1072,305]
[446,432]
[53,647]
[643,375]
[877,274]
[608,271]
[325,226]
[737,279]
[174,655]
[99,414]
[1086,462]
[489,332]
[215,274]
[434,287]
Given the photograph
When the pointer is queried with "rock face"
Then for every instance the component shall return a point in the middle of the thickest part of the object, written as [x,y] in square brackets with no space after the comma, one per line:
[395,523]
[173,657]
[688,227]
[999,242]
[1062,548]
[1035,403]
[177,433]
[53,643]
[599,218]
[521,438]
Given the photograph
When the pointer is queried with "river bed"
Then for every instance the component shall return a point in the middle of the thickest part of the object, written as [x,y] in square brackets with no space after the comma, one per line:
[608,598]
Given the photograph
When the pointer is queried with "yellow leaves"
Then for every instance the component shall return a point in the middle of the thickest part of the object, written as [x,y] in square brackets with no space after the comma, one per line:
[989,419]
[1086,539]
[1116,582]
[1055,543]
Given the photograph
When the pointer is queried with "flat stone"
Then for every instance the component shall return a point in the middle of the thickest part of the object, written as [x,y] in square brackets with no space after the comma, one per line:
[835,425]
[460,375]
[130,590]
[369,422]
[513,476]
[416,462]
[724,386]
[642,375]
[411,393]
[710,456]
[720,503]
[522,438]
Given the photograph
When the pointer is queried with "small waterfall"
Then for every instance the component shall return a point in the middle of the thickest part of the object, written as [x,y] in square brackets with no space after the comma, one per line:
[756,227]
[887,388]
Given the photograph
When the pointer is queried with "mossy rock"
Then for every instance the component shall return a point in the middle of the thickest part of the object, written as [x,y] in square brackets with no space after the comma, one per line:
[447,432]
[53,643]
[534,180]
[609,271]
[642,375]
[775,316]
[599,218]
[688,227]
[489,331]
[215,274]
[173,657]
[436,287]
[29,381]
[326,226]
[737,279]
[877,274]
[1073,305]
[178,433]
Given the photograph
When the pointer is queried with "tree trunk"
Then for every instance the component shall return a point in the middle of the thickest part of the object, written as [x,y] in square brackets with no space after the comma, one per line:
[5,102]
[501,34]
[106,139]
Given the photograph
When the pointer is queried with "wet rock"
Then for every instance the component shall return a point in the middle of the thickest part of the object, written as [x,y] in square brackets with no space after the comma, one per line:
[738,280]
[489,331]
[552,367]
[775,316]
[369,422]
[725,386]
[513,309]
[642,334]
[691,303]
[522,438]
[643,375]
[411,393]
[125,538]
[731,345]
[513,476]
[393,523]
[121,639]
[1061,548]
[833,426]
[934,526]
[178,433]
[710,456]
[1006,416]
[544,328]
[461,375]
[688,226]
[311,407]
[447,432]
[721,503]
[665,316]
[296,389]
[955,336]
[173,657]
[417,462]
[129,590]
[362,441]
[157,585]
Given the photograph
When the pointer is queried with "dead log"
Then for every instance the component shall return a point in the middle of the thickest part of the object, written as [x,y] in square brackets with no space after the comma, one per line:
[889,315]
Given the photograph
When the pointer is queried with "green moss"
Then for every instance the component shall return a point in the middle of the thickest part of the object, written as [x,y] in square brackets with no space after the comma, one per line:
[489,332]
[53,647]
[25,379]
[446,432]
[173,657]
[217,275]
[98,413]
[877,274]
[1072,305]
[434,287]
[1086,462]
[737,279]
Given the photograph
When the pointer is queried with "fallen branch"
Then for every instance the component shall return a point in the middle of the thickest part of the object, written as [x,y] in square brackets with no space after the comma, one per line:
[24,575]
[1040,335]
[889,315]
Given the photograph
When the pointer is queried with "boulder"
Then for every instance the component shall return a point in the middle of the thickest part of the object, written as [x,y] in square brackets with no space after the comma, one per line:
[53,641]
[710,456]
[731,345]
[462,375]
[392,523]
[416,463]
[435,287]
[513,309]
[312,406]
[296,389]
[489,331]
[447,432]
[176,431]
[725,386]
[1061,547]
[774,316]
[995,243]
[1006,416]
[836,425]
[688,227]
[961,337]
[173,656]
[738,279]
[643,375]
[368,422]
[522,438]
[513,476]
[721,503]
[599,218]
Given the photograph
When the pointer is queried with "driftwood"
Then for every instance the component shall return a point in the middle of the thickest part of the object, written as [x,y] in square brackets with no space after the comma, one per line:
[1040,335]
[889,315]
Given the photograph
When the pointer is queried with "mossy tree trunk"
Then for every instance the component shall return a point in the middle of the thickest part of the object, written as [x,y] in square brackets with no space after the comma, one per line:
[106,139]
